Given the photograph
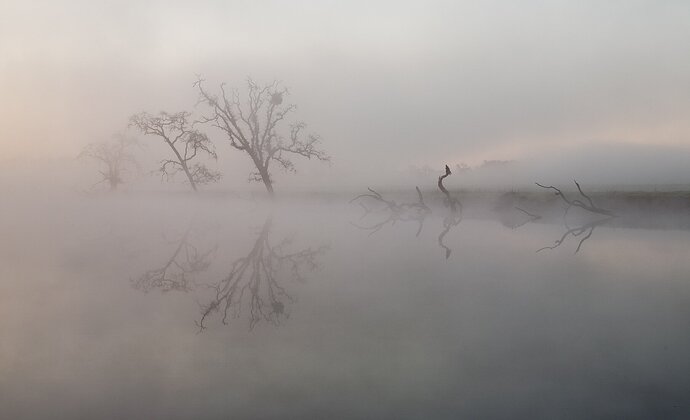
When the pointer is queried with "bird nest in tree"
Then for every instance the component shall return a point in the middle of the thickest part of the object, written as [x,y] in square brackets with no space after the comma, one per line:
[277,98]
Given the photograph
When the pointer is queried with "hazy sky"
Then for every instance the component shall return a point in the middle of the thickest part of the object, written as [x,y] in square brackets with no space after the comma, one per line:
[405,82]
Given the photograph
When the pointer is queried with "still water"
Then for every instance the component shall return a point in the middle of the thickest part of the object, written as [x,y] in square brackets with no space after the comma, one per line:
[177,308]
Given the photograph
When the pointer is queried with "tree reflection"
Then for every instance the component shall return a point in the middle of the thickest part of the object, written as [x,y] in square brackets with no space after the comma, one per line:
[256,284]
[253,284]
[178,272]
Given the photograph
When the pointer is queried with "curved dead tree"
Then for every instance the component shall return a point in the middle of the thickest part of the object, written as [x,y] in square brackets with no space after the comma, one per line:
[577,232]
[404,212]
[454,216]
[258,128]
[179,270]
[253,284]
[116,160]
[587,205]
[186,143]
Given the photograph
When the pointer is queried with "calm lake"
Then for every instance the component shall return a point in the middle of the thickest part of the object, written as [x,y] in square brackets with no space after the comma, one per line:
[177,307]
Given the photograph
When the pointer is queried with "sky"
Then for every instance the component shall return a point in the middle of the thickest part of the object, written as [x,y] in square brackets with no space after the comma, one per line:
[385,83]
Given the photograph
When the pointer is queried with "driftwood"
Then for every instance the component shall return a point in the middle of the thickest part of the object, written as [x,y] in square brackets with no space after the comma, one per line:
[454,217]
[404,212]
[588,206]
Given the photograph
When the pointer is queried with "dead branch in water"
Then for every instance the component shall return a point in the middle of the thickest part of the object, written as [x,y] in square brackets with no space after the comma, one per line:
[455,215]
[405,212]
[589,206]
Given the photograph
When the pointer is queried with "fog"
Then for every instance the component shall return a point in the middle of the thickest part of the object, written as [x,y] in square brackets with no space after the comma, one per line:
[403,83]
[485,215]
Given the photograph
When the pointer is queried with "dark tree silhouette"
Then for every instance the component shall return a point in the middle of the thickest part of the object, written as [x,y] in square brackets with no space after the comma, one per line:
[257,127]
[186,143]
[116,160]
[454,216]
[254,281]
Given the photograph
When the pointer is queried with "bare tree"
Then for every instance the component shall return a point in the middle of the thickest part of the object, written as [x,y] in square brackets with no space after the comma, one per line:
[257,127]
[115,157]
[186,143]
[254,281]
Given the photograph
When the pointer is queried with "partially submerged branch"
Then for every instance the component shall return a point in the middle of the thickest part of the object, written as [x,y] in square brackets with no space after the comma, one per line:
[454,217]
[588,206]
[405,212]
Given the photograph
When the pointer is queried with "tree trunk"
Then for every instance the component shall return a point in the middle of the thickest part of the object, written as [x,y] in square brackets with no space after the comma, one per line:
[189,177]
[263,171]
[267,182]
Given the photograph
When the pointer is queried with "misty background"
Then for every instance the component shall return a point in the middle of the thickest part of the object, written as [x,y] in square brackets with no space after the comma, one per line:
[590,90]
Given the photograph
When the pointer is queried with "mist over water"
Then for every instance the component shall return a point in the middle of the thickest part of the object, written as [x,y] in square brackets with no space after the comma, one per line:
[330,320]
[366,209]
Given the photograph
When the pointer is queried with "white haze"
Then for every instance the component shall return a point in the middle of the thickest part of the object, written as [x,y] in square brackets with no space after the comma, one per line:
[588,90]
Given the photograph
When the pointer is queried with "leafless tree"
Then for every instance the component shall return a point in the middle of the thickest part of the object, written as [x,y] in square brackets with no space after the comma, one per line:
[257,127]
[454,216]
[178,271]
[116,160]
[254,281]
[186,143]
[405,212]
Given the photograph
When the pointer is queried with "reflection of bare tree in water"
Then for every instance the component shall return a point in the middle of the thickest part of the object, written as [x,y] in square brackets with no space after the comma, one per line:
[454,216]
[254,281]
[586,229]
[404,212]
[177,273]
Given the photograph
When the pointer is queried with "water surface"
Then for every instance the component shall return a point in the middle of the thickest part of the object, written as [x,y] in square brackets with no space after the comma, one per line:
[180,308]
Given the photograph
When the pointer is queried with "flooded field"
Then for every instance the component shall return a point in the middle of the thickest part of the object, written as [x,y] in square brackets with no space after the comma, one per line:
[188,307]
